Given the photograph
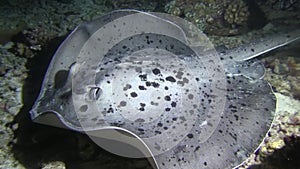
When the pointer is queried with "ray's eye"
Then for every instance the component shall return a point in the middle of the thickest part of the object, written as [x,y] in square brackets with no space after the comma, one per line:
[95,93]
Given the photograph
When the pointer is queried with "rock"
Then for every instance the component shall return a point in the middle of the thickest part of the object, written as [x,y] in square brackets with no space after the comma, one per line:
[54,165]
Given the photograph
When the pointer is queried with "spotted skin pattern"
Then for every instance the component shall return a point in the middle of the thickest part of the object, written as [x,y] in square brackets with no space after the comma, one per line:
[152,75]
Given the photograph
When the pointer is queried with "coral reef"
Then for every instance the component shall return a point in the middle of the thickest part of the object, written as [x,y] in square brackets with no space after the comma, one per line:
[236,14]
[284,73]
[12,75]
[236,17]
[213,16]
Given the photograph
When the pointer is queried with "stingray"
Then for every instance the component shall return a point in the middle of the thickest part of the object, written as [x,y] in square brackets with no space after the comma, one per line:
[153,85]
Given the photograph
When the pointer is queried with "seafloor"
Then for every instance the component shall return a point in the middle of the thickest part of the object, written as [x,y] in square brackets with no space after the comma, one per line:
[31,30]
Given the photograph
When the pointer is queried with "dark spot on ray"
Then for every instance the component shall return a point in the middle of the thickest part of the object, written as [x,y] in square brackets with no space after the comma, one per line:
[148,84]
[154,104]
[170,79]
[142,88]
[190,135]
[154,84]
[156,71]
[138,69]
[142,109]
[140,129]
[185,80]
[123,103]
[172,46]
[157,132]
[182,118]
[179,75]
[133,94]
[139,120]
[233,136]
[83,108]
[167,109]
[190,96]
[162,80]
[197,148]
[159,124]
[166,88]
[252,50]
[167,98]
[110,110]
[236,117]
[128,86]
[232,106]
[142,104]
[143,77]
[173,104]
[116,124]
